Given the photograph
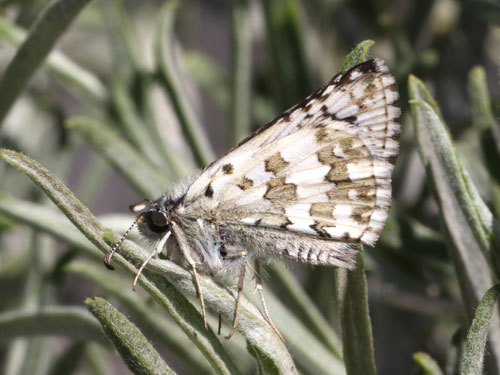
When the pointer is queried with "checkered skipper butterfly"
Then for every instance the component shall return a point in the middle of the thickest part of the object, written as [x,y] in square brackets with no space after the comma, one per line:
[308,186]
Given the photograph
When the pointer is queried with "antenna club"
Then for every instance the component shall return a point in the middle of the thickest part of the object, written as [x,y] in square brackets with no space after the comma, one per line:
[107,261]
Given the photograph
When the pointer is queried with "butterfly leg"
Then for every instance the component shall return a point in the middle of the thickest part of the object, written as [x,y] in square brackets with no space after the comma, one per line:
[258,282]
[158,249]
[241,279]
[200,293]
[186,252]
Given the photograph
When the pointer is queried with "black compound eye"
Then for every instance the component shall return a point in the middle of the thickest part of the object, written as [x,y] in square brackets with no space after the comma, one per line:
[157,221]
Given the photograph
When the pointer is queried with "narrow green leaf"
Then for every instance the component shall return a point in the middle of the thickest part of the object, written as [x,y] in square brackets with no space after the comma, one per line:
[446,156]
[145,136]
[188,318]
[128,49]
[64,199]
[482,116]
[210,77]
[47,220]
[95,171]
[266,366]
[252,326]
[487,128]
[289,290]
[460,212]
[357,55]
[132,91]
[130,121]
[418,91]
[48,27]
[67,362]
[437,150]
[97,360]
[471,362]
[29,356]
[71,322]
[484,120]
[151,320]
[250,323]
[428,365]
[74,78]
[140,173]
[355,321]
[168,76]
[135,350]
[15,263]
[287,46]
[309,353]
[454,352]
[241,73]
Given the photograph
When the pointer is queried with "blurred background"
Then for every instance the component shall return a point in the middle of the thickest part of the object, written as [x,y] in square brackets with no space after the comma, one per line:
[138,95]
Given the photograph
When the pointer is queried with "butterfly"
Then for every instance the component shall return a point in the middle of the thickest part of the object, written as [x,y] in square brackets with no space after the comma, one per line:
[309,186]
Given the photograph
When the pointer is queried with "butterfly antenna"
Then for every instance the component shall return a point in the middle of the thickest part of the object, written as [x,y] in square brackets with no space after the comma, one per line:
[116,246]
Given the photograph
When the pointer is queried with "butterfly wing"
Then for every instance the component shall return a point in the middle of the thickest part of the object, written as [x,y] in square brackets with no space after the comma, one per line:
[322,168]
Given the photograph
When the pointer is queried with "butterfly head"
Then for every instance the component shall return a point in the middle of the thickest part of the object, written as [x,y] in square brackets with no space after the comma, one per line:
[154,217]
[153,221]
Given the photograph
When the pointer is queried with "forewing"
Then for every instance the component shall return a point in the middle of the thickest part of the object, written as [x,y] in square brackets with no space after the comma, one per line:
[322,168]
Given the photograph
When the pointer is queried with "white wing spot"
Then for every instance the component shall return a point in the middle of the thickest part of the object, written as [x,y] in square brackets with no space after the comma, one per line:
[328,90]
[354,74]
[350,110]
[301,225]
[259,175]
[308,176]
[353,194]
[360,170]
[252,195]
[249,220]
[337,151]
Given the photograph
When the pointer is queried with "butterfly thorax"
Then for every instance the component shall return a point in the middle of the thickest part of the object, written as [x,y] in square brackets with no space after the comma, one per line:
[214,248]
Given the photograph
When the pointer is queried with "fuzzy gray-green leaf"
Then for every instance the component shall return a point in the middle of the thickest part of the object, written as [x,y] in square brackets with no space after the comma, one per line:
[73,77]
[147,179]
[357,55]
[70,322]
[164,330]
[427,364]
[456,199]
[250,324]
[46,220]
[79,215]
[482,115]
[165,294]
[471,362]
[287,40]
[241,72]
[48,27]
[168,76]
[443,155]
[309,352]
[135,350]
[355,320]
[487,129]
[295,296]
